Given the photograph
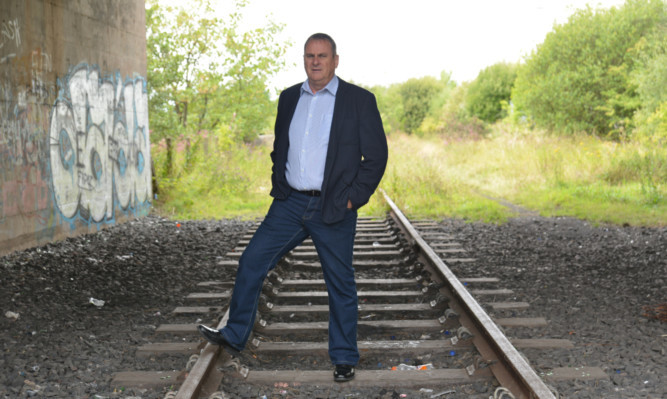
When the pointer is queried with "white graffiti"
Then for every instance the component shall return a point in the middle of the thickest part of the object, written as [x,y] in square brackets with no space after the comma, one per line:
[40,65]
[99,145]
[9,31]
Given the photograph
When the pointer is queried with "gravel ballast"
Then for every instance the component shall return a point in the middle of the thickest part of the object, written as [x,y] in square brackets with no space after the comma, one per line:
[597,286]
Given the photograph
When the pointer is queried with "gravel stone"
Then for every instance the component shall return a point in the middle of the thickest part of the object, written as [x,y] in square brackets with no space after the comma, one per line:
[594,284]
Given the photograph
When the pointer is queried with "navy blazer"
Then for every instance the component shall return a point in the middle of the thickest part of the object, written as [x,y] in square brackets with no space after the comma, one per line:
[356,155]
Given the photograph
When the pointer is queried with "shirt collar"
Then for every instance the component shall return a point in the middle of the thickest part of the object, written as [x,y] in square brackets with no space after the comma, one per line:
[331,87]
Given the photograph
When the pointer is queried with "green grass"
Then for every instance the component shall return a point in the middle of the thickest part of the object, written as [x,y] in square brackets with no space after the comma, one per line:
[233,183]
[423,182]
[583,177]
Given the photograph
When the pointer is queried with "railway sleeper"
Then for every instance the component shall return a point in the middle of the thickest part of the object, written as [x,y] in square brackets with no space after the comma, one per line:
[322,378]
[289,313]
[364,309]
[362,283]
[315,266]
[360,241]
[362,228]
[361,235]
[419,327]
[399,347]
[321,297]
[365,326]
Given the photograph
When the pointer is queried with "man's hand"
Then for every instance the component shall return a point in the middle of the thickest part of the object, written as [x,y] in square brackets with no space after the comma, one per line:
[349,204]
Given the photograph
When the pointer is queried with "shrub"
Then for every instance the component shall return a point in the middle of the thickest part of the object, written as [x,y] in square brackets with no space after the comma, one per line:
[579,78]
[489,90]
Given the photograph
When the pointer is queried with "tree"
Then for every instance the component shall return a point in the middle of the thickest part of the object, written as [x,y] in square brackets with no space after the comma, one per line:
[416,96]
[206,76]
[650,76]
[390,106]
[579,78]
[489,90]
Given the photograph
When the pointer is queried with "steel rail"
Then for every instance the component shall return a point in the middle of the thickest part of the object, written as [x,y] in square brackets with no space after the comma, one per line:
[516,375]
[522,381]
[201,370]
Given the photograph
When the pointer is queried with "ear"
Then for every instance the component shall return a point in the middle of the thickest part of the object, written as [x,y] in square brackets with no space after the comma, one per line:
[336,61]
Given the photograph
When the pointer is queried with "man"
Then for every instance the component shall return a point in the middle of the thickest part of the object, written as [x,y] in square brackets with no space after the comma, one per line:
[329,155]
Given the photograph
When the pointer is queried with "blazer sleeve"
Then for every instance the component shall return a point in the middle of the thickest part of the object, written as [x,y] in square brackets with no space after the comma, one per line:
[374,153]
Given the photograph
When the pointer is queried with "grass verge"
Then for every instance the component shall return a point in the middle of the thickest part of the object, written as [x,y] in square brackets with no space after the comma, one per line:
[434,177]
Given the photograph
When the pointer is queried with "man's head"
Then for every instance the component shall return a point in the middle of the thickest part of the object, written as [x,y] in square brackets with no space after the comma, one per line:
[320,60]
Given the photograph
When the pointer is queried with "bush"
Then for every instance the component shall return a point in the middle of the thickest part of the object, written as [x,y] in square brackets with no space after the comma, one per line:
[580,78]
[416,96]
[453,119]
[491,88]
[651,79]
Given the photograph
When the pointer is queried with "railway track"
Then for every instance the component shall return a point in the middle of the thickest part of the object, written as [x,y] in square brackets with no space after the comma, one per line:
[421,328]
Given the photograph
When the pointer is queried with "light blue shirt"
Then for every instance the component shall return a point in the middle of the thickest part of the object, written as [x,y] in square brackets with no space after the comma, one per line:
[309,136]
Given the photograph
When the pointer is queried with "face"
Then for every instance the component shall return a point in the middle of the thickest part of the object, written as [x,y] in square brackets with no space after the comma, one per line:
[320,64]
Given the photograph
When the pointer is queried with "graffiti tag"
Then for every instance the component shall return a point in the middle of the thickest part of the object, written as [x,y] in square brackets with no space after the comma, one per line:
[99,145]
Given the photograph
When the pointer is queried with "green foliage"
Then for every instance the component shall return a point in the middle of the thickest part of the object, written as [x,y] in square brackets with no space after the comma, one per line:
[452,119]
[487,93]
[603,72]
[423,181]
[178,44]
[650,76]
[406,106]
[416,96]
[579,78]
[224,180]
[207,77]
[578,176]
[390,106]
[647,167]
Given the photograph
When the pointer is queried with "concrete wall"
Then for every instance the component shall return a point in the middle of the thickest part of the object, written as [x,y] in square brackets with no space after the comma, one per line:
[74,139]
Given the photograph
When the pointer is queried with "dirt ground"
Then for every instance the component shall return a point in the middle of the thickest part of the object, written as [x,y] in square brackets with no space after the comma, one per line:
[597,286]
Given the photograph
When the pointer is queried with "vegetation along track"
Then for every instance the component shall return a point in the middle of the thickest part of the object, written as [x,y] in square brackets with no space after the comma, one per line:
[420,326]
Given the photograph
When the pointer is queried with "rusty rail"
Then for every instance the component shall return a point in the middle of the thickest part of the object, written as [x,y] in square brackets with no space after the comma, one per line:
[196,379]
[512,370]
[507,365]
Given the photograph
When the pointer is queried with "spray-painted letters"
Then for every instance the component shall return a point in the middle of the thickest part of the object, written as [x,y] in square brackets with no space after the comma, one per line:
[10,32]
[99,145]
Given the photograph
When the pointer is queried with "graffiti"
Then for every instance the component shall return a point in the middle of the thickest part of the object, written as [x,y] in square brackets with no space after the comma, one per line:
[7,57]
[23,127]
[24,123]
[10,32]
[74,139]
[99,145]
[40,65]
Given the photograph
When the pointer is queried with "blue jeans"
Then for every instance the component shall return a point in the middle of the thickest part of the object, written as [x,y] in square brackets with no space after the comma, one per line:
[288,223]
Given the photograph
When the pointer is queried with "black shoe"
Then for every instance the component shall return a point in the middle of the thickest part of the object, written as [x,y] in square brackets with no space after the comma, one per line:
[343,372]
[216,338]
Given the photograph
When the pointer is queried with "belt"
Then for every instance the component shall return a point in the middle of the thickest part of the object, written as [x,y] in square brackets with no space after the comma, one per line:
[310,193]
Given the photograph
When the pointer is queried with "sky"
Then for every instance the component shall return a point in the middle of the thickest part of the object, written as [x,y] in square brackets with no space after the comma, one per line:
[381,42]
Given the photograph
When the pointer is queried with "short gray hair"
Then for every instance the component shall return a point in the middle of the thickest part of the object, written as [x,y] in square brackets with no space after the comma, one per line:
[321,36]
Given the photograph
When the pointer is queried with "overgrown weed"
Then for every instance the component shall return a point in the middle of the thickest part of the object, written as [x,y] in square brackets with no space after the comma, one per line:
[443,176]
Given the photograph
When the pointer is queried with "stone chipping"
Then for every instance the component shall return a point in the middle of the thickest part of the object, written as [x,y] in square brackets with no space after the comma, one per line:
[599,286]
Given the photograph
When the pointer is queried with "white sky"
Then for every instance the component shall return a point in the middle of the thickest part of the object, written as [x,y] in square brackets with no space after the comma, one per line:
[381,42]
[389,41]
